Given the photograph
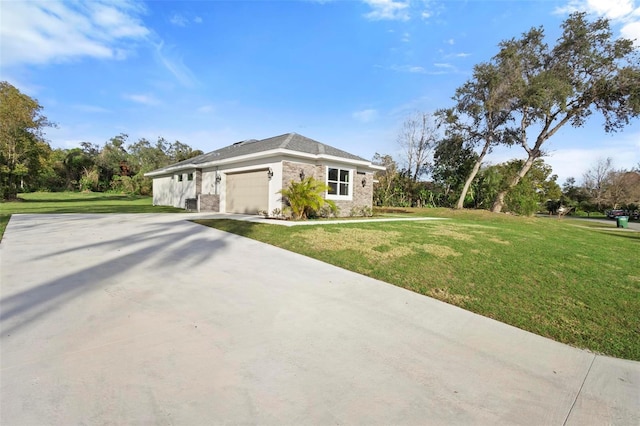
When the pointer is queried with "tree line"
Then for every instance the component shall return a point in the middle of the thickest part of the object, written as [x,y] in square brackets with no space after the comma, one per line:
[521,97]
[602,187]
[28,163]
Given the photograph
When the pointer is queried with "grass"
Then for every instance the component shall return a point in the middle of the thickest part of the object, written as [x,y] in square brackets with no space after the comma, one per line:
[78,202]
[577,282]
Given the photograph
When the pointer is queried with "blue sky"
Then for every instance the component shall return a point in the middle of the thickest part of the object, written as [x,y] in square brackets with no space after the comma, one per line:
[346,73]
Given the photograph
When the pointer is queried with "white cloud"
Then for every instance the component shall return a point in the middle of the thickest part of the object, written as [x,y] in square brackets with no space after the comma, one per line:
[612,9]
[392,10]
[39,32]
[632,32]
[623,12]
[178,20]
[366,115]
[455,55]
[173,62]
[440,69]
[406,37]
[415,69]
[143,99]
[429,9]
[91,109]
[205,109]
[451,41]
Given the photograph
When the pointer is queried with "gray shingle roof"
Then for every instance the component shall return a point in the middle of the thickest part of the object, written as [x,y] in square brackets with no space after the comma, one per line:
[288,141]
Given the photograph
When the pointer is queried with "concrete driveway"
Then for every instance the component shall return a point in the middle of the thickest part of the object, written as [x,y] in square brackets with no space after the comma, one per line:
[150,319]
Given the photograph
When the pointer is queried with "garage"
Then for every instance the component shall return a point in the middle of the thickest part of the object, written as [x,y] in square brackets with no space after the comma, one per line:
[247,192]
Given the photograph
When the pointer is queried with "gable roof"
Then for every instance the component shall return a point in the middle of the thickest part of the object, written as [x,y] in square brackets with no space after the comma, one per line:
[291,143]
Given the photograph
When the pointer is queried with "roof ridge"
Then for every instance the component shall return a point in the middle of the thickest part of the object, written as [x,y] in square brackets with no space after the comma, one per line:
[321,149]
[286,140]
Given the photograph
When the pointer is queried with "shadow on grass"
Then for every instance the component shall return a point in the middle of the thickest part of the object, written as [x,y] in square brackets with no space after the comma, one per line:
[238,227]
[76,198]
[633,236]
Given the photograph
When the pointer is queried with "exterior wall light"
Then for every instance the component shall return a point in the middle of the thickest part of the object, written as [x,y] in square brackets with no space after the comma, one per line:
[270,173]
[364,182]
[218,178]
[302,174]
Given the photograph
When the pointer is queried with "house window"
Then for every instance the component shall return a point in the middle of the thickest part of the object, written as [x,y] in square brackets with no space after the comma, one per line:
[339,182]
[190,176]
[179,178]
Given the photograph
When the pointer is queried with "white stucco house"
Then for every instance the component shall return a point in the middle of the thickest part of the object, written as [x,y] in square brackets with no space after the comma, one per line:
[245,177]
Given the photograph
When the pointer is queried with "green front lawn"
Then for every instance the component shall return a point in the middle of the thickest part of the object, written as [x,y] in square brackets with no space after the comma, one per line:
[574,281]
[78,202]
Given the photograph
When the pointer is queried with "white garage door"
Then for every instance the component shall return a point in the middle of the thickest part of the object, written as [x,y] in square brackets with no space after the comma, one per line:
[247,192]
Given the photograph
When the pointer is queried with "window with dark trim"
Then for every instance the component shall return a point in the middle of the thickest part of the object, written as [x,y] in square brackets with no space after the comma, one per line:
[180,177]
[190,176]
[338,181]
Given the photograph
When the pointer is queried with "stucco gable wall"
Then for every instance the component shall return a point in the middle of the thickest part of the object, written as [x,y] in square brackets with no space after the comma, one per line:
[163,191]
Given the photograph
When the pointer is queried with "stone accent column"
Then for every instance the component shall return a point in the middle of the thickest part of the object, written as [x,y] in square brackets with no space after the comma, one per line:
[209,202]
[198,181]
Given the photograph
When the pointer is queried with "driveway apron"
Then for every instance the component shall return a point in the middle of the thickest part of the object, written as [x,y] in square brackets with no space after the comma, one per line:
[137,319]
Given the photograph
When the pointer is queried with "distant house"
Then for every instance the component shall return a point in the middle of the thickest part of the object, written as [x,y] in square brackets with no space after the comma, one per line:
[245,177]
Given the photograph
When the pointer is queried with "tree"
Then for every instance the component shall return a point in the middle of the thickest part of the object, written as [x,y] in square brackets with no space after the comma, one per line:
[112,161]
[306,196]
[574,196]
[417,139]
[595,182]
[483,107]
[22,144]
[586,71]
[76,162]
[145,157]
[453,161]
[623,189]
[179,151]
[384,180]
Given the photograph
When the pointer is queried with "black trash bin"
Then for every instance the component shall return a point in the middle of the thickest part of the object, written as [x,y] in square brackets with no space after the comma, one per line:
[191,204]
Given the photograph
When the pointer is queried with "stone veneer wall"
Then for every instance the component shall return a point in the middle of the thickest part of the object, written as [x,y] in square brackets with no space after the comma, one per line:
[291,172]
[198,181]
[362,196]
[209,202]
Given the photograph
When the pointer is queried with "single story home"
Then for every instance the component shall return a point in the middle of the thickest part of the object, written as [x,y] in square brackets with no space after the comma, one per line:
[245,177]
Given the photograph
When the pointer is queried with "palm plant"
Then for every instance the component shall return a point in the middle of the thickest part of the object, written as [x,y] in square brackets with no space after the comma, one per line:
[305,197]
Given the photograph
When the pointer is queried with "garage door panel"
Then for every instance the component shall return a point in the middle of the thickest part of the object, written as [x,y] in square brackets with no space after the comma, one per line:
[247,192]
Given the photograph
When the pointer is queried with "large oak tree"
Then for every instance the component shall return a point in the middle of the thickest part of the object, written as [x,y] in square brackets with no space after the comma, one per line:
[587,71]
[483,108]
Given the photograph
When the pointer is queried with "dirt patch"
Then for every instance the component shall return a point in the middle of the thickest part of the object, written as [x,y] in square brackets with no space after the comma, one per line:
[499,241]
[444,295]
[375,245]
[453,233]
[438,250]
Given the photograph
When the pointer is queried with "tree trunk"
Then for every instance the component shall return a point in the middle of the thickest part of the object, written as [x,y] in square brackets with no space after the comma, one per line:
[472,175]
[498,203]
